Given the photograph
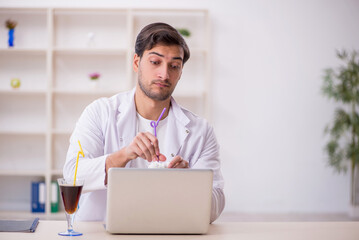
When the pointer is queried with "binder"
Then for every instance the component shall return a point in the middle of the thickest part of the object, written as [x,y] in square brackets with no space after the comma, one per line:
[55,199]
[19,225]
[38,195]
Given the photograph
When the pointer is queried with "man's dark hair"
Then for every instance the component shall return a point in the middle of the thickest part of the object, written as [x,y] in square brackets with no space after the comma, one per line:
[160,33]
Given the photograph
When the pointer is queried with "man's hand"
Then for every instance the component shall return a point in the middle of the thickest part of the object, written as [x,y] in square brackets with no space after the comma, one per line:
[178,162]
[144,145]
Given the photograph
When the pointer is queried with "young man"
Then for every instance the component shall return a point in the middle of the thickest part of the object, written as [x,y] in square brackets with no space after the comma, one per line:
[116,131]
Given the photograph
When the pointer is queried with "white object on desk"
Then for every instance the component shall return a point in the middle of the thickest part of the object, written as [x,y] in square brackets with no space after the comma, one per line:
[155,164]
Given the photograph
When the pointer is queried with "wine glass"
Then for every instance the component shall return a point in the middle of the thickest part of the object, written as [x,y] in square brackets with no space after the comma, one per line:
[70,193]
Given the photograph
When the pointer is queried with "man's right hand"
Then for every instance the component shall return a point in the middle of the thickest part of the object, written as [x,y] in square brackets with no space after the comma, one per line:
[144,145]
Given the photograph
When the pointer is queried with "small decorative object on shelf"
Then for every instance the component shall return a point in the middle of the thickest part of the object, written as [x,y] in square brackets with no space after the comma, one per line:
[94,79]
[15,83]
[184,32]
[94,76]
[11,26]
[91,39]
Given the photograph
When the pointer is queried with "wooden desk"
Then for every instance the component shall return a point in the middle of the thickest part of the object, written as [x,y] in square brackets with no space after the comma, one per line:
[217,231]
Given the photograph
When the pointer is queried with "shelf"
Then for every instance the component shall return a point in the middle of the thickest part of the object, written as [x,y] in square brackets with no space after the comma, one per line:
[69,51]
[55,51]
[29,68]
[20,91]
[72,71]
[23,51]
[20,173]
[21,11]
[90,51]
[89,92]
[31,30]
[31,108]
[22,132]
[92,28]
[68,108]
[24,153]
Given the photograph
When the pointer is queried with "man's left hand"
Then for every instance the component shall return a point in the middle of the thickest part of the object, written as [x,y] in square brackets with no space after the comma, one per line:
[178,162]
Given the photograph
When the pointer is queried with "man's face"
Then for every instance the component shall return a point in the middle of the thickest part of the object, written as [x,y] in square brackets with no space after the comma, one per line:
[159,70]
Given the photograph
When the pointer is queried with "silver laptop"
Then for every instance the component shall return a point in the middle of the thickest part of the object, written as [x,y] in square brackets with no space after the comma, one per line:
[158,201]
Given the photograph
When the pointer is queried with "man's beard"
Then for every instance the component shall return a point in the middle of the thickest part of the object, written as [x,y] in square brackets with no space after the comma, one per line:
[155,96]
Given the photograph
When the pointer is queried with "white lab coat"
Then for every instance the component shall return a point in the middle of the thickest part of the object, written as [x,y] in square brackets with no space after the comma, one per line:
[109,124]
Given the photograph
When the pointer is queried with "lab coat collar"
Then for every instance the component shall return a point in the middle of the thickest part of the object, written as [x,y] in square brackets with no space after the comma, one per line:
[126,119]
[128,104]
[177,132]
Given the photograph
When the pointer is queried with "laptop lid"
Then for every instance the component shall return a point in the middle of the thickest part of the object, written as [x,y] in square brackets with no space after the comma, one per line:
[158,201]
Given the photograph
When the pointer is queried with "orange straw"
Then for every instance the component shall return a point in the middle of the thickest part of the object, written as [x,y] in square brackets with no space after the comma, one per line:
[77,160]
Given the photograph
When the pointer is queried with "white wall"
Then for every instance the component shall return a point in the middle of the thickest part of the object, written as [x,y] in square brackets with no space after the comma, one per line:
[269,58]
[269,114]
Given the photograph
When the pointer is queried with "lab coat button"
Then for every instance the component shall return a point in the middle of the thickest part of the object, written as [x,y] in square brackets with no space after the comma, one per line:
[187,131]
[172,155]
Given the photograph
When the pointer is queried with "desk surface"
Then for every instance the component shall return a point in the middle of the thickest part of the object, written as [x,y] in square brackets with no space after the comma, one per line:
[217,231]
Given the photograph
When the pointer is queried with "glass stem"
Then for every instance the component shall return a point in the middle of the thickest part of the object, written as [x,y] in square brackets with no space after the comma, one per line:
[70,221]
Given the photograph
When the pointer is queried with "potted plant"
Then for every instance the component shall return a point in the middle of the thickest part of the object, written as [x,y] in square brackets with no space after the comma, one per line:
[186,33]
[10,25]
[342,148]
[94,79]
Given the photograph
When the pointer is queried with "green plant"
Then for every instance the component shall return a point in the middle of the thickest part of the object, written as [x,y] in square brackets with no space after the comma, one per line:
[184,32]
[10,24]
[342,85]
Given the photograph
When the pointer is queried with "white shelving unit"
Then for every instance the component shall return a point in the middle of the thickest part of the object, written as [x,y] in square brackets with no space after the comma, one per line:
[55,50]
